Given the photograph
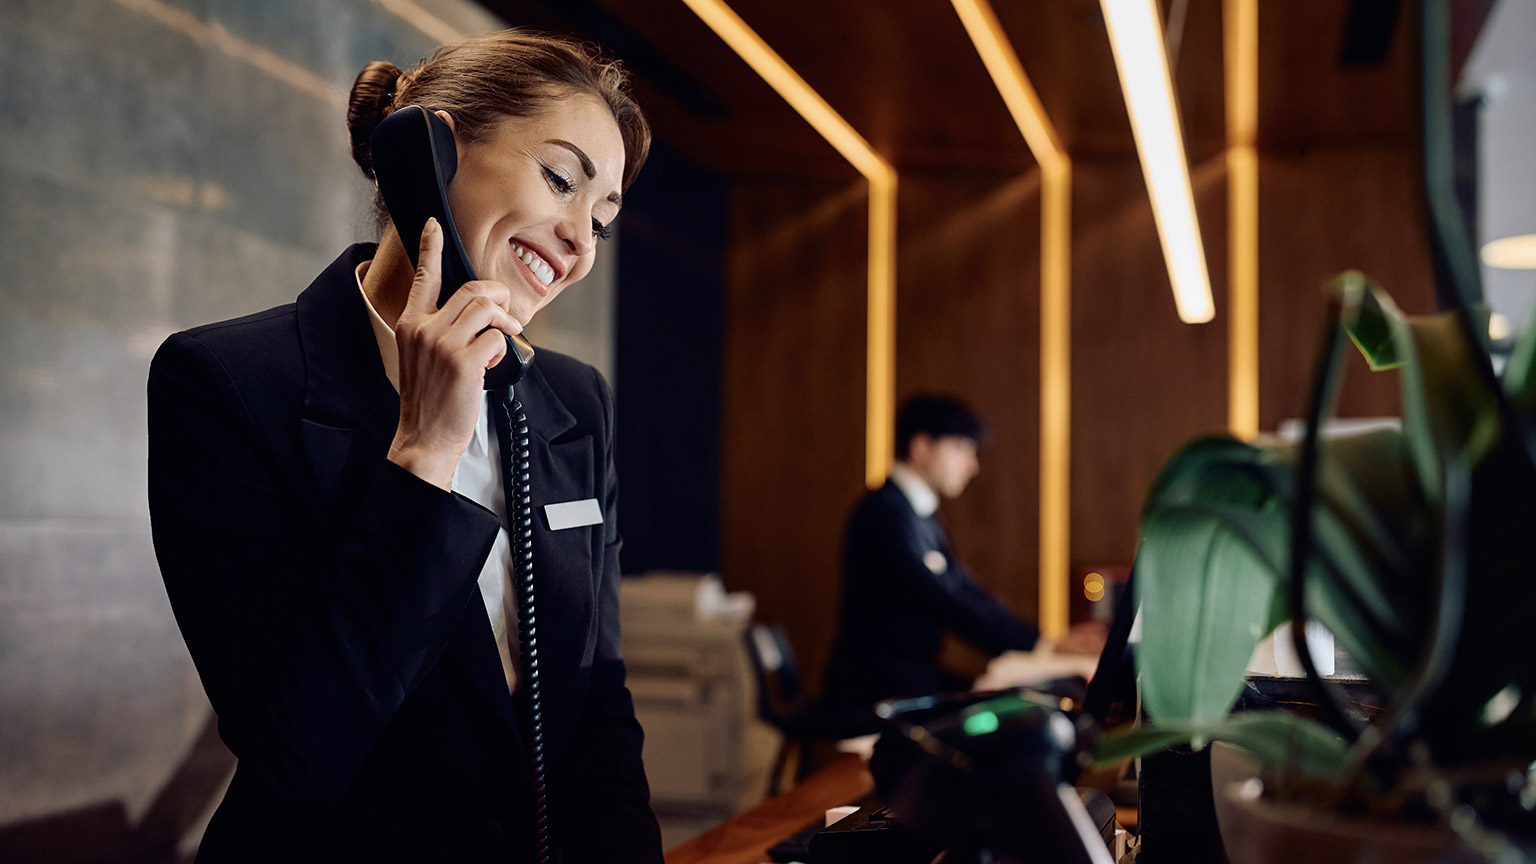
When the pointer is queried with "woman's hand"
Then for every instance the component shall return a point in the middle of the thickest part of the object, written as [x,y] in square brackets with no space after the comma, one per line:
[443,358]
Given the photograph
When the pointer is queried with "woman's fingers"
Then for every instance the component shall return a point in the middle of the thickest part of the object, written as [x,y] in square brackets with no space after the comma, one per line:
[488,348]
[443,357]
[429,270]
[477,312]
[483,292]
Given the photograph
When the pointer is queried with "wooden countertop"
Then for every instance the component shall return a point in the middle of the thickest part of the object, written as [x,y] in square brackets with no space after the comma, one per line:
[745,837]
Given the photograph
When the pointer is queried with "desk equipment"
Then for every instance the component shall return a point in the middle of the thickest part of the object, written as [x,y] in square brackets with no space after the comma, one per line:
[982,776]
[873,832]
[706,751]
[987,776]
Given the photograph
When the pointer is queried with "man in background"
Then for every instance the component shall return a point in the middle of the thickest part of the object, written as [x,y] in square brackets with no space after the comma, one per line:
[902,588]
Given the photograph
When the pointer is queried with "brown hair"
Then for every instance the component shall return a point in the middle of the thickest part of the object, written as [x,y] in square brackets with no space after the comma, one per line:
[482,81]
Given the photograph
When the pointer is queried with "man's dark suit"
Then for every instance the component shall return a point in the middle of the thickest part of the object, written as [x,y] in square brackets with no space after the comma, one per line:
[902,589]
[330,602]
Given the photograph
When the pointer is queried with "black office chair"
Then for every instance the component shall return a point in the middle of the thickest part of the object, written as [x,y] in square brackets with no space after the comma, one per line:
[782,704]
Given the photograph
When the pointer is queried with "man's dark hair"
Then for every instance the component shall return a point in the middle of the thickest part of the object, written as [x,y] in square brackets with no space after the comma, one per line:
[937,416]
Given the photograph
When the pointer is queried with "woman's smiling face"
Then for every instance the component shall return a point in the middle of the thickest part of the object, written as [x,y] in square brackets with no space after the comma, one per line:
[532,197]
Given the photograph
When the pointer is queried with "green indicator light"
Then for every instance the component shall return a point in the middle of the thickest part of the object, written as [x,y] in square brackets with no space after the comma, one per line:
[981,723]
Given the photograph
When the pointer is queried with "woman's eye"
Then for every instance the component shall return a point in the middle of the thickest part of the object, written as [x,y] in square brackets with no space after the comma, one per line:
[601,231]
[558,182]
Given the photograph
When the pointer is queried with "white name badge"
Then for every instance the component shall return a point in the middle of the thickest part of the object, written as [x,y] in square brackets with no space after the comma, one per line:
[573,514]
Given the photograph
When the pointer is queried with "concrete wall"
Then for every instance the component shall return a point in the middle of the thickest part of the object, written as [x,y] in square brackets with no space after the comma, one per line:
[163,163]
[1502,70]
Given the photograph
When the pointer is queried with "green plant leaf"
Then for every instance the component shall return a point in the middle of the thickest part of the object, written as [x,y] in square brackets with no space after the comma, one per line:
[1520,371]
[1360,472]
[1210,590]
[1375,324]
[1445,403]
[1385,339]
[1215,468]
[1247,490]
[1277,738]
[1520,383]
[1463,413]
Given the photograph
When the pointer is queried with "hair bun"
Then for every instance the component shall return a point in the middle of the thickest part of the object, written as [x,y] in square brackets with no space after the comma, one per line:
[373,95]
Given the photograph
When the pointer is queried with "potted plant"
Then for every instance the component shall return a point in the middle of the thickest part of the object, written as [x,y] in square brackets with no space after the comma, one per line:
[1415,546]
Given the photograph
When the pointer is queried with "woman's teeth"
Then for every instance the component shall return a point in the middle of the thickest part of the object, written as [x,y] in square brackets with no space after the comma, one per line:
[535,263]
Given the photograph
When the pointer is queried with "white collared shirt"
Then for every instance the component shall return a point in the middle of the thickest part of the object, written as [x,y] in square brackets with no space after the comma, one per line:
[478,478]
[919,495]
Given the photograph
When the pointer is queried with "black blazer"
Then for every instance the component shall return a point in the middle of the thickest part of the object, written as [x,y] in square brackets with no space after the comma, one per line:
[902,589]
[330,602]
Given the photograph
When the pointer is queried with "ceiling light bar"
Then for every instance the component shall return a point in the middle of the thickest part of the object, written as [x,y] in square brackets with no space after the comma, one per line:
[880,391]
[1136,36]
[1029,115]
[1511,253]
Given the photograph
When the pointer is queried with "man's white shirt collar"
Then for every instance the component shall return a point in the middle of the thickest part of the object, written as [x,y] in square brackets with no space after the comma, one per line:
[922,498]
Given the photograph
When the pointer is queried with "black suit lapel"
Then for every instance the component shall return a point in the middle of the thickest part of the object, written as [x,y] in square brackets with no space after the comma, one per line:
[350,409]
[350,415]
[562,468]
[927,530]
[936,531]
[473,651]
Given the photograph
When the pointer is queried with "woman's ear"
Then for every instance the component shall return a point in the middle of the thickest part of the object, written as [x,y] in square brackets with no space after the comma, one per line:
[447,118]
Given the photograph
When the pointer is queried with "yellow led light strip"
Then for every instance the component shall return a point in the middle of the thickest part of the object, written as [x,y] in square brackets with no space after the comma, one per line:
[880,392]
[1240,20]
[1141,59]
[1055,304]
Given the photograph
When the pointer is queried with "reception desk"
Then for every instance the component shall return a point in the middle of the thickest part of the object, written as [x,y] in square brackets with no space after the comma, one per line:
[745,837]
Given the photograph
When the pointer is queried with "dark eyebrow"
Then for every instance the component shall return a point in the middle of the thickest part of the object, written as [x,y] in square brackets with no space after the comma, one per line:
[587,167]
[586,164]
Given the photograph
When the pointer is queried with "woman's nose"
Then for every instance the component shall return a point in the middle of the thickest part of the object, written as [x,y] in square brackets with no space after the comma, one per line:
[576,233]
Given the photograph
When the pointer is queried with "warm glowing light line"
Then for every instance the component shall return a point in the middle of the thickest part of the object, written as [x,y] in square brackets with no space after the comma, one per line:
[213,33]
[880,395]
[1141,59]
[1055,397]
[880,362]
[1012,84]
[435,28]
[1241,37]
[1029,115]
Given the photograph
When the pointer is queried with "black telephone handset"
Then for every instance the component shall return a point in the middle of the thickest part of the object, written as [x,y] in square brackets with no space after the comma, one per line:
[414,160]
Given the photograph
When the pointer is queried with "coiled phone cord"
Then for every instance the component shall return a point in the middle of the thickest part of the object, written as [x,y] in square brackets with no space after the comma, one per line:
[515,473]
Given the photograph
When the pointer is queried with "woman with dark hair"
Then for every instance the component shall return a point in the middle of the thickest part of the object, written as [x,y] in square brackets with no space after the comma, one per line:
[326,490]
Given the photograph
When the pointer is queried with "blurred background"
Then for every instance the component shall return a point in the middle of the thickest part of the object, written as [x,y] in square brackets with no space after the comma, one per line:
[166,163]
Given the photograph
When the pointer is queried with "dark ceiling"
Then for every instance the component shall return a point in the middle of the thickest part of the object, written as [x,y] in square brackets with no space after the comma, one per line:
[905,75]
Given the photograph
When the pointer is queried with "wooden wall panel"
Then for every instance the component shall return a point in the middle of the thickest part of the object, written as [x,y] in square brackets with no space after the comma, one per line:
[968,324]
[792,426]
[1143,382]
[1323,211]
